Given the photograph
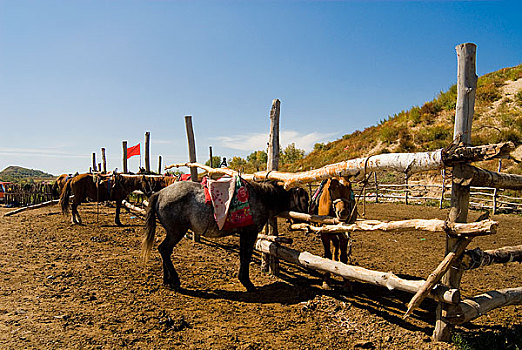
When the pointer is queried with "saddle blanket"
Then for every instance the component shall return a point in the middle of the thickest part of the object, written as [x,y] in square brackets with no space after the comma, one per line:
[229,197]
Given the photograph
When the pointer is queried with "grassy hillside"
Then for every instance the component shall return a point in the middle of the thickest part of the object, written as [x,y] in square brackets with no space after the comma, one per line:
[18,174]
[498,118]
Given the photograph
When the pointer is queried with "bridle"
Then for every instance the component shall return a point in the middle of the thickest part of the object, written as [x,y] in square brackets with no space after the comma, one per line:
[334,202]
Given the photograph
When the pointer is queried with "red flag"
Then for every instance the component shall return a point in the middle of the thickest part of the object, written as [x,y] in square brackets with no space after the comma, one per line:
[133,151]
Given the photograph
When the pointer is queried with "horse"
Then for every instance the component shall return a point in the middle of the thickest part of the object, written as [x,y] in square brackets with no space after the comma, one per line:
[156,183]
[182,206]
[337,200]
[59,184]
[98,189]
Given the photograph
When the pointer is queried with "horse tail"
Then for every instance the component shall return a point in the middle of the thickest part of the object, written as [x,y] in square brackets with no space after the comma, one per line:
[64,197]
[150,228]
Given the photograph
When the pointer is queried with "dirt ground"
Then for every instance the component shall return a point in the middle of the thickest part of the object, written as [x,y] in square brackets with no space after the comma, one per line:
[85,287]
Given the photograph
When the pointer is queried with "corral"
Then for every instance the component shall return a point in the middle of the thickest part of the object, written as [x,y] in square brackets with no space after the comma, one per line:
[69,286]
[399,249]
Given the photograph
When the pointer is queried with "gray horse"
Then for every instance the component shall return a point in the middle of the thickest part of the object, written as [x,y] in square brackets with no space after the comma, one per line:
[181,206]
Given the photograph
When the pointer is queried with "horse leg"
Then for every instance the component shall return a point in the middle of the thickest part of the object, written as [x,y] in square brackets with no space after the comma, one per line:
[335,241]
[117,218]
[325,238]
[343,245]
[76,219]
[170,276]
[246,248]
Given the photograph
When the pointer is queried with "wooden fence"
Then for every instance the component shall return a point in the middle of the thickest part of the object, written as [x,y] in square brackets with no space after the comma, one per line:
[29,194]
[439,195]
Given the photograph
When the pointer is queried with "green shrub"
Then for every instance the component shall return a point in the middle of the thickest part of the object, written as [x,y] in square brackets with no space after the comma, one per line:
[388,134]
[415,115]
[447,100]
[488,93]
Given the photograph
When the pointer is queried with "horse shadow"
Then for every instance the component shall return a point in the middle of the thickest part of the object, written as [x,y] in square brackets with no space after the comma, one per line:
[277,292]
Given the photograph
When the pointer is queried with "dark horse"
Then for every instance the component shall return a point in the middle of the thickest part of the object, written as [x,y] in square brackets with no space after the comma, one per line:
[182,206]
[152,184]
[337,200]
[98,189]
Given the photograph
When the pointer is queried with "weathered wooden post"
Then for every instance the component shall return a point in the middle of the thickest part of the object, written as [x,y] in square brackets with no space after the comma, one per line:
[466,88]
[210,155]
[376,187]
[147,151]
[104,160]
[268,263]
[192,158]
[124,145]
[495,191]
[407,189]
[94,162]
[159,165]
[443,172]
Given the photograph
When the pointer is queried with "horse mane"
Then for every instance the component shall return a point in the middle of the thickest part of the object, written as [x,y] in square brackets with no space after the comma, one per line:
[270,193]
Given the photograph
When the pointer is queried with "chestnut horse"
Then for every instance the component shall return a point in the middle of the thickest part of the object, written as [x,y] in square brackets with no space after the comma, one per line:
[337,200]
[59,184]
[98,189]
[182,206]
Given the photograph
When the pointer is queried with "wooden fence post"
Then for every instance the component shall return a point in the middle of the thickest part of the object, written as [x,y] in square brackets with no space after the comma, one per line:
[443,172]
[159,165]
[210,155]
[147,152]
[192,158]
[407,189]
[466,88]
[268,263]
[376,187]
[124,145]
[94,169]
[104,161]
[495,191]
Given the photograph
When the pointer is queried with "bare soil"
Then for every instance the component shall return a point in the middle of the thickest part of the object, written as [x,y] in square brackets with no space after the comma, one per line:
[85,287]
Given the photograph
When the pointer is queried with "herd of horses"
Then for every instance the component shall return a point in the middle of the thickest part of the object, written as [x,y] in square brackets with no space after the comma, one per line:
[180,206]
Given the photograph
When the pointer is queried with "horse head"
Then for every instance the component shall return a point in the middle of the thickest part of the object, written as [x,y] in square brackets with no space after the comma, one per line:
[340,194]
[299,200]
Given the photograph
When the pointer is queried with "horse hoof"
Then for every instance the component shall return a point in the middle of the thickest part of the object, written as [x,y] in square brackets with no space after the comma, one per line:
[173,286]
[250,287]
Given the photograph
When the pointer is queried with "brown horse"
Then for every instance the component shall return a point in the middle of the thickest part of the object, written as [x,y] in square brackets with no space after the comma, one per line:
[337,200]
[152,184]
[98,189]
[59,184]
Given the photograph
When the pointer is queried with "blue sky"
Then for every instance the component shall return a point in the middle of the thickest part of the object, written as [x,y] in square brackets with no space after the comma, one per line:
[76,76]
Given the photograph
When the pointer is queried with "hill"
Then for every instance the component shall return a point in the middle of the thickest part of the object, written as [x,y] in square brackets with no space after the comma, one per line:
[19,174]
[498,118]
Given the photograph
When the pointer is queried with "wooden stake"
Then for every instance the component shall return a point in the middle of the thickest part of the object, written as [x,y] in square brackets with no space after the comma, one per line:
[159,165]
[268,263]
[436,275]
[124,152]
[192,158]
[104,161]
[466,88]
[94,168]
[147,151]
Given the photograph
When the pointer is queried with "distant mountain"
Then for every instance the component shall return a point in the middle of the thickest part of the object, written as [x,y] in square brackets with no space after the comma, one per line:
[497,118]
[19,174]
